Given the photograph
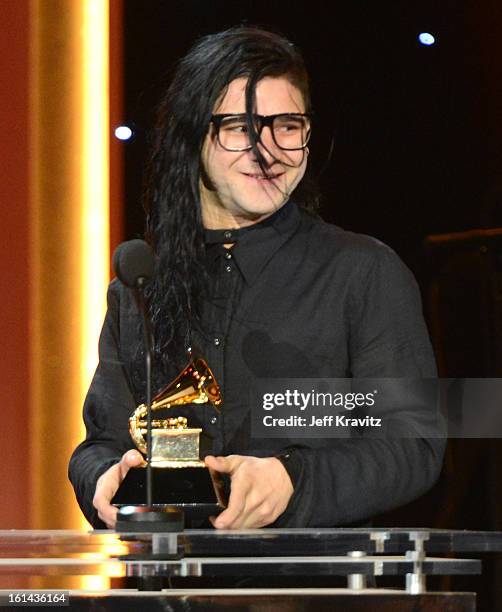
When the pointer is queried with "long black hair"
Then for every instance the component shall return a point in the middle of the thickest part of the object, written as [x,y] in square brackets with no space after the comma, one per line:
[171,195]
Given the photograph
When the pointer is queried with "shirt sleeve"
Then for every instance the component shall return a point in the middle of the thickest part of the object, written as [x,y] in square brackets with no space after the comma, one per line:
[350,480]
[108,404]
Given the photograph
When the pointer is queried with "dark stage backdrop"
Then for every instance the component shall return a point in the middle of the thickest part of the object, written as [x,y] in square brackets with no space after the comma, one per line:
[417,135]
[414,145]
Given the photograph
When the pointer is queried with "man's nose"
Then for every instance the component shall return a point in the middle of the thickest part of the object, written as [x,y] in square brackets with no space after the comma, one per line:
[267,145]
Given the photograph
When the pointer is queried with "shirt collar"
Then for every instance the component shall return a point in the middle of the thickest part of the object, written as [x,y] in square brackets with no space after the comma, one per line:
[256,244]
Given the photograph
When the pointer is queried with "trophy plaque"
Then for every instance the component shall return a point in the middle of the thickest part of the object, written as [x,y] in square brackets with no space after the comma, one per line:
[179,477]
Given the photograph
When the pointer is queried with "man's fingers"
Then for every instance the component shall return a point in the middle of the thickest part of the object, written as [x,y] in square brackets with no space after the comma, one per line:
[109,516]
[229,518]
[108,484]
[105,490]
[255,513]
[258,516]
[260,491]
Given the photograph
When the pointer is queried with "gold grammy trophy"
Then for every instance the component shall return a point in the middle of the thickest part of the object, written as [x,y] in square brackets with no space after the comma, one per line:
[180,478]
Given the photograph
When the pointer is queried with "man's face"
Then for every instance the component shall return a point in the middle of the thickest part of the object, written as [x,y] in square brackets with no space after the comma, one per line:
[241,195]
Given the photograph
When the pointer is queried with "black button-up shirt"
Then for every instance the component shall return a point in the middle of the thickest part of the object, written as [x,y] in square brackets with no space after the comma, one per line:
[293,298]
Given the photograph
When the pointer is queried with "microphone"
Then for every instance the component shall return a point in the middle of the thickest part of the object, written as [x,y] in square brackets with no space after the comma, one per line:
[133,263]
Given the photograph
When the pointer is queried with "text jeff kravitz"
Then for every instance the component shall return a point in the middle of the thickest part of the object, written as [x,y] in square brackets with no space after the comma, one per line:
[328,420]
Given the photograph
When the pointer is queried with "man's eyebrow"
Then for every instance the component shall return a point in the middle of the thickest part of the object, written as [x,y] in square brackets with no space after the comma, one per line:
[237,115]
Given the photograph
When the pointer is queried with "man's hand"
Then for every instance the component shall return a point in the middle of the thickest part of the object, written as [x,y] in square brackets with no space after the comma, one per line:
[109,482]
[261,490]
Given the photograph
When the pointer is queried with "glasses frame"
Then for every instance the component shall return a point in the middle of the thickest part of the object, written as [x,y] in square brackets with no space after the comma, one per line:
[264,121]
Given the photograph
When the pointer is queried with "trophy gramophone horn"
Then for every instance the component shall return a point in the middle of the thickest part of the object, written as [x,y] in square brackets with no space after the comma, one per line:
[194,385]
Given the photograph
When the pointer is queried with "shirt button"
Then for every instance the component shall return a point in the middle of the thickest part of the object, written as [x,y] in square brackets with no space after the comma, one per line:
[227,235]
[216,342]
[228,255]
[214,420]
[229,268]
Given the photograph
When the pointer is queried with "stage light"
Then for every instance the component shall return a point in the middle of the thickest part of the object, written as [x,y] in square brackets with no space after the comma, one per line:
[427,39]
[123,132]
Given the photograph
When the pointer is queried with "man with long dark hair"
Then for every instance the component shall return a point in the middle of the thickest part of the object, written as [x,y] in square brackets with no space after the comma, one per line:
[250,276]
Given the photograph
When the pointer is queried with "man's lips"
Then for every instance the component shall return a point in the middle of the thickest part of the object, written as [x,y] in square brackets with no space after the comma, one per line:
[262,177]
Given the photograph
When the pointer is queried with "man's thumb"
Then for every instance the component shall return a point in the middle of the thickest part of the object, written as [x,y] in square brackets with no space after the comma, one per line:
[221,464]
[130,459]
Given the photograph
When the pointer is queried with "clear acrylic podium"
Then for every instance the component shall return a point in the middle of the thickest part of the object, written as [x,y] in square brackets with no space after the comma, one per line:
[357,556]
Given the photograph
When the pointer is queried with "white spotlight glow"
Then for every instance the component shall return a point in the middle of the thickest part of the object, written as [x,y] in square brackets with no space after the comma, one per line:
[123,132]
[425,38]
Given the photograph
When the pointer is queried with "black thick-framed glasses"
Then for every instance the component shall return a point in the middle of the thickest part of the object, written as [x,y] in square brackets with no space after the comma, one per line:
[290,131]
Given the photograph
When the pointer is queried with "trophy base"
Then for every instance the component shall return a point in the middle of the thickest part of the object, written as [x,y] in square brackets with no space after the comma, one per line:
[195,490]
[140,519]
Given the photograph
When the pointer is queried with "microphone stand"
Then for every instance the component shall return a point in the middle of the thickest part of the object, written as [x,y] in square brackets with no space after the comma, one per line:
[148,343]
[148,518]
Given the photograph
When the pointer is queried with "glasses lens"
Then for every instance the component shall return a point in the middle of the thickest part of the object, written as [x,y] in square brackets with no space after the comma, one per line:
[233,134]
[291,131]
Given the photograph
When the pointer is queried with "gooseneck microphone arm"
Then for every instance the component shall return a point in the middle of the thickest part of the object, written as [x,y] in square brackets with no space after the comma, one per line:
[148,343]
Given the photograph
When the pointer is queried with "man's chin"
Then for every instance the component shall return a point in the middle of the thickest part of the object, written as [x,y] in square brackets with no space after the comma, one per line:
[260,211]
